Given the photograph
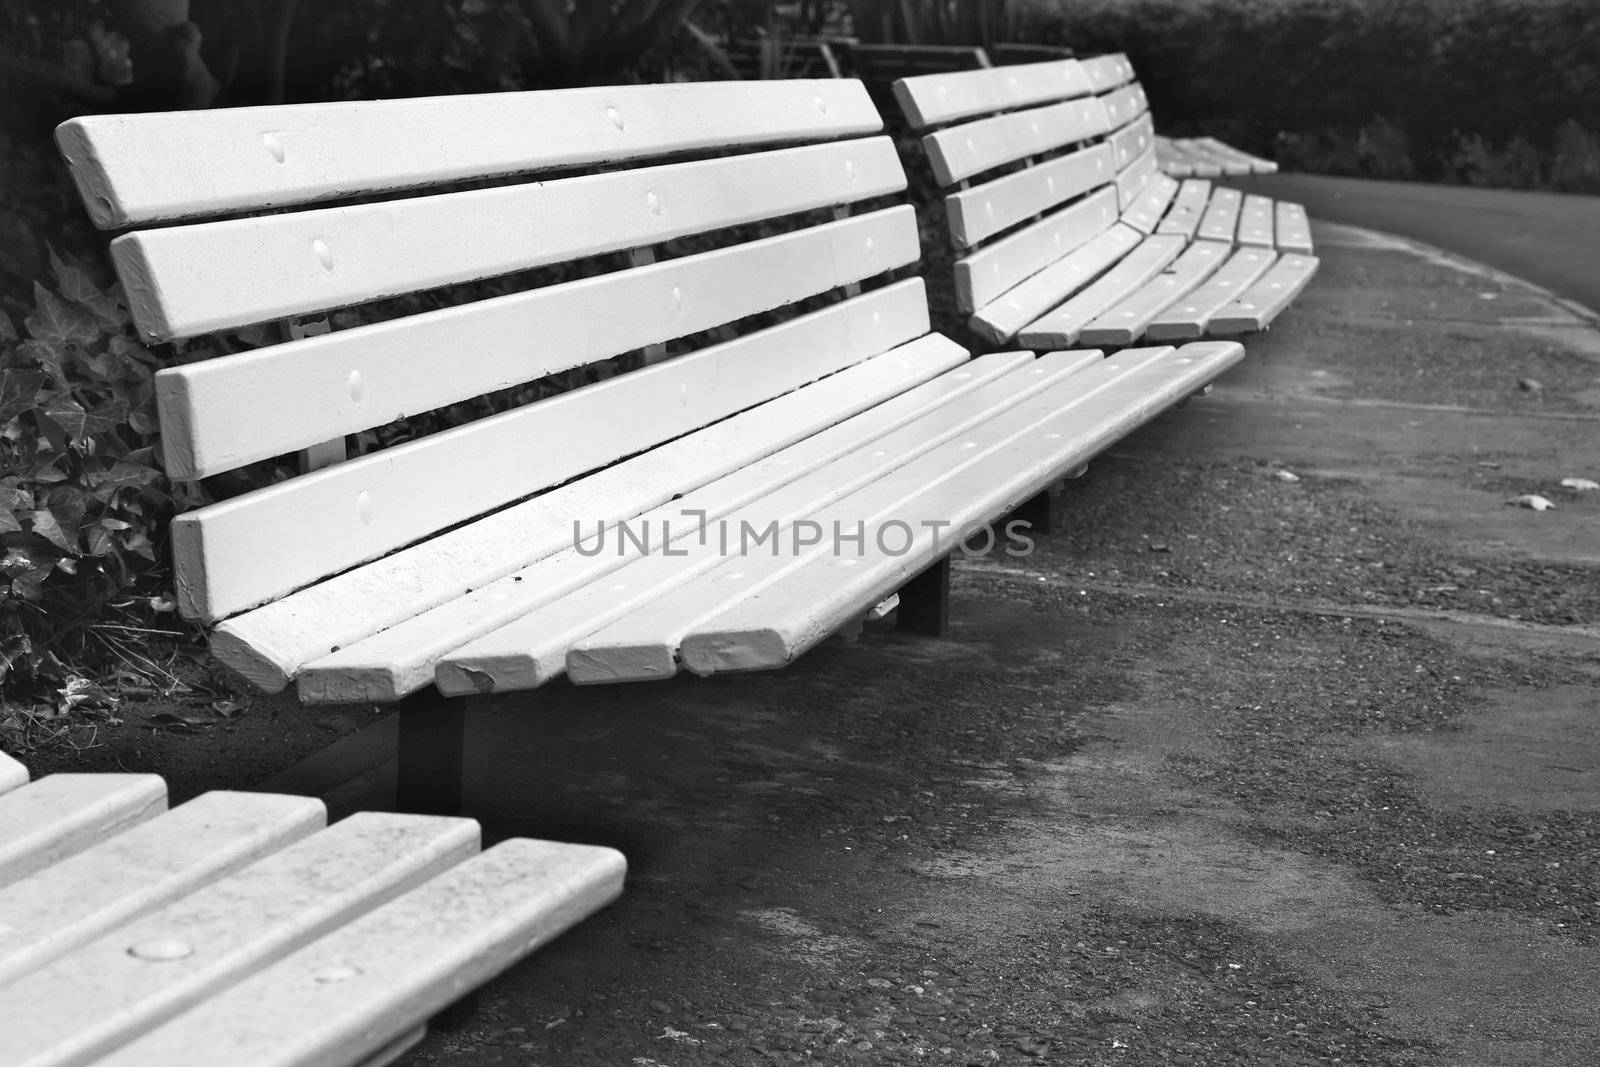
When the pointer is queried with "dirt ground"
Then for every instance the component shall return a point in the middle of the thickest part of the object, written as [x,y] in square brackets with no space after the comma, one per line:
[1234,769]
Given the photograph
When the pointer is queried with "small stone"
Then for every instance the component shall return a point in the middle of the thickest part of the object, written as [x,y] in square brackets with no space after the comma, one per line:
[1160,546]
[1530,385]
[1582,485]
[1532,501]
[1286,476]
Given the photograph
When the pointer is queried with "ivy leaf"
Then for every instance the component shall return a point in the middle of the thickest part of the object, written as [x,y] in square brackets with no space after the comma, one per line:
[55,321]
[8,329]
[8,521]
[19,392]
[51,358]
[78,423]
[76,285]
[121,473]
[47,526]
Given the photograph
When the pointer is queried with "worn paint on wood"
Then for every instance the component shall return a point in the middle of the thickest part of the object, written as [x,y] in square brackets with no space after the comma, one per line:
[60,815]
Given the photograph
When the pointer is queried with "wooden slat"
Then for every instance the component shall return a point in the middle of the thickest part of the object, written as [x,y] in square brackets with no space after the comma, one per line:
[936,99]
[141,168]
[1293,228]
[401,659]
[75,900]
[60,815]
[12,774]
[1221,217]
[1124,105]
[1147,208]
[223,413]
[1188,317]
[1125,323]
[186,280]
[1266,299]
[533,649]
[269,644]
[1107,71]
[369,506]
[353,993]
[1132,142]
[718,622]
[988,273]
[1183,159]
[1247,163]
[1000,319]
[957,153]
[1132,181]
[981,212]
[144,973]
[1061,326]
[1183,218]
[1255,222]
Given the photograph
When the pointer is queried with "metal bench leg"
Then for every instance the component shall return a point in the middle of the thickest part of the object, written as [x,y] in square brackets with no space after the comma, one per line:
[432,736]
[1041,512]
[925,602]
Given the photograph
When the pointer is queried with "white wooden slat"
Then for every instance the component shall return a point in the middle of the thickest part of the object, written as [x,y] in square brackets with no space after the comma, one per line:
[996,206]
[1247,163]
[1183,160]
[936,99]
[1147,208]
[1107,71]
[186,280]
[369,506]
[1266,299]
[1221,217]
[1061,326]
[140,168]
[533,649]
[70,902]
[1132,181]
[1188,207]
[775,617]
[970,475]
[961,152]
[1124,106]
[138,976]
[1000,319]
[12,774]
[1132,142]
[1255,222]
[1188,317]
[356,991]
[1293,228]
[1125,323]
[986,274]
[223,413]
[269,644]
[400,660]
[1223,162]
[60,815]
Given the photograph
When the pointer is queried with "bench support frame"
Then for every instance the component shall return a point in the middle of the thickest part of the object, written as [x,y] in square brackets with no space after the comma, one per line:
[431,747]
[925,602]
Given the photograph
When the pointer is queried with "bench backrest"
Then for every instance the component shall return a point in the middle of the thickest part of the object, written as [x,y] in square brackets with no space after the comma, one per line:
[1023,141]
[787,56]
[774,153]
[886,62]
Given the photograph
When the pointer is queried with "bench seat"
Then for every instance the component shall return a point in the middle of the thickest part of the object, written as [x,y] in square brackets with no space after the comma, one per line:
[239,926]
[1064,229]
[1207,157]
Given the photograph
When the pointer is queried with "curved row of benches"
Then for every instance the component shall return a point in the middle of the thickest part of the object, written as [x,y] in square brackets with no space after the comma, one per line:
[1065,232]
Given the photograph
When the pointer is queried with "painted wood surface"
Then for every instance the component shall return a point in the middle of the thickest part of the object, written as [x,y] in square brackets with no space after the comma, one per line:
[1124,106]
[978,475]
[159,166]
[1060,327]
[145,972]
[1001,319]
[1265,300]
[1293,229]
[60,815]
[353,993]
[1125,322]
[1189,317]
[958,153]
[533,648]
[937,99]
[68,903]
[1132,142]
[1221,218]
[12,774]
[1105,72]
[1250,164]
[988,273]
[1255,222]
[222,413]
[369,506]
[1183,217]
[268,645]
[1133,180]
[187,280]
[402,658]
[639,641]
[979,213]
[1147,208]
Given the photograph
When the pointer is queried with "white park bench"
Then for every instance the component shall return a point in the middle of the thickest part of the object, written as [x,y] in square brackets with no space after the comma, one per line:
[240,929]
[458,565]
[1065,232]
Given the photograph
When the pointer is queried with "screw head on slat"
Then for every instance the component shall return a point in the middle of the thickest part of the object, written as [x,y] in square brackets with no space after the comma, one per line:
[161,950]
